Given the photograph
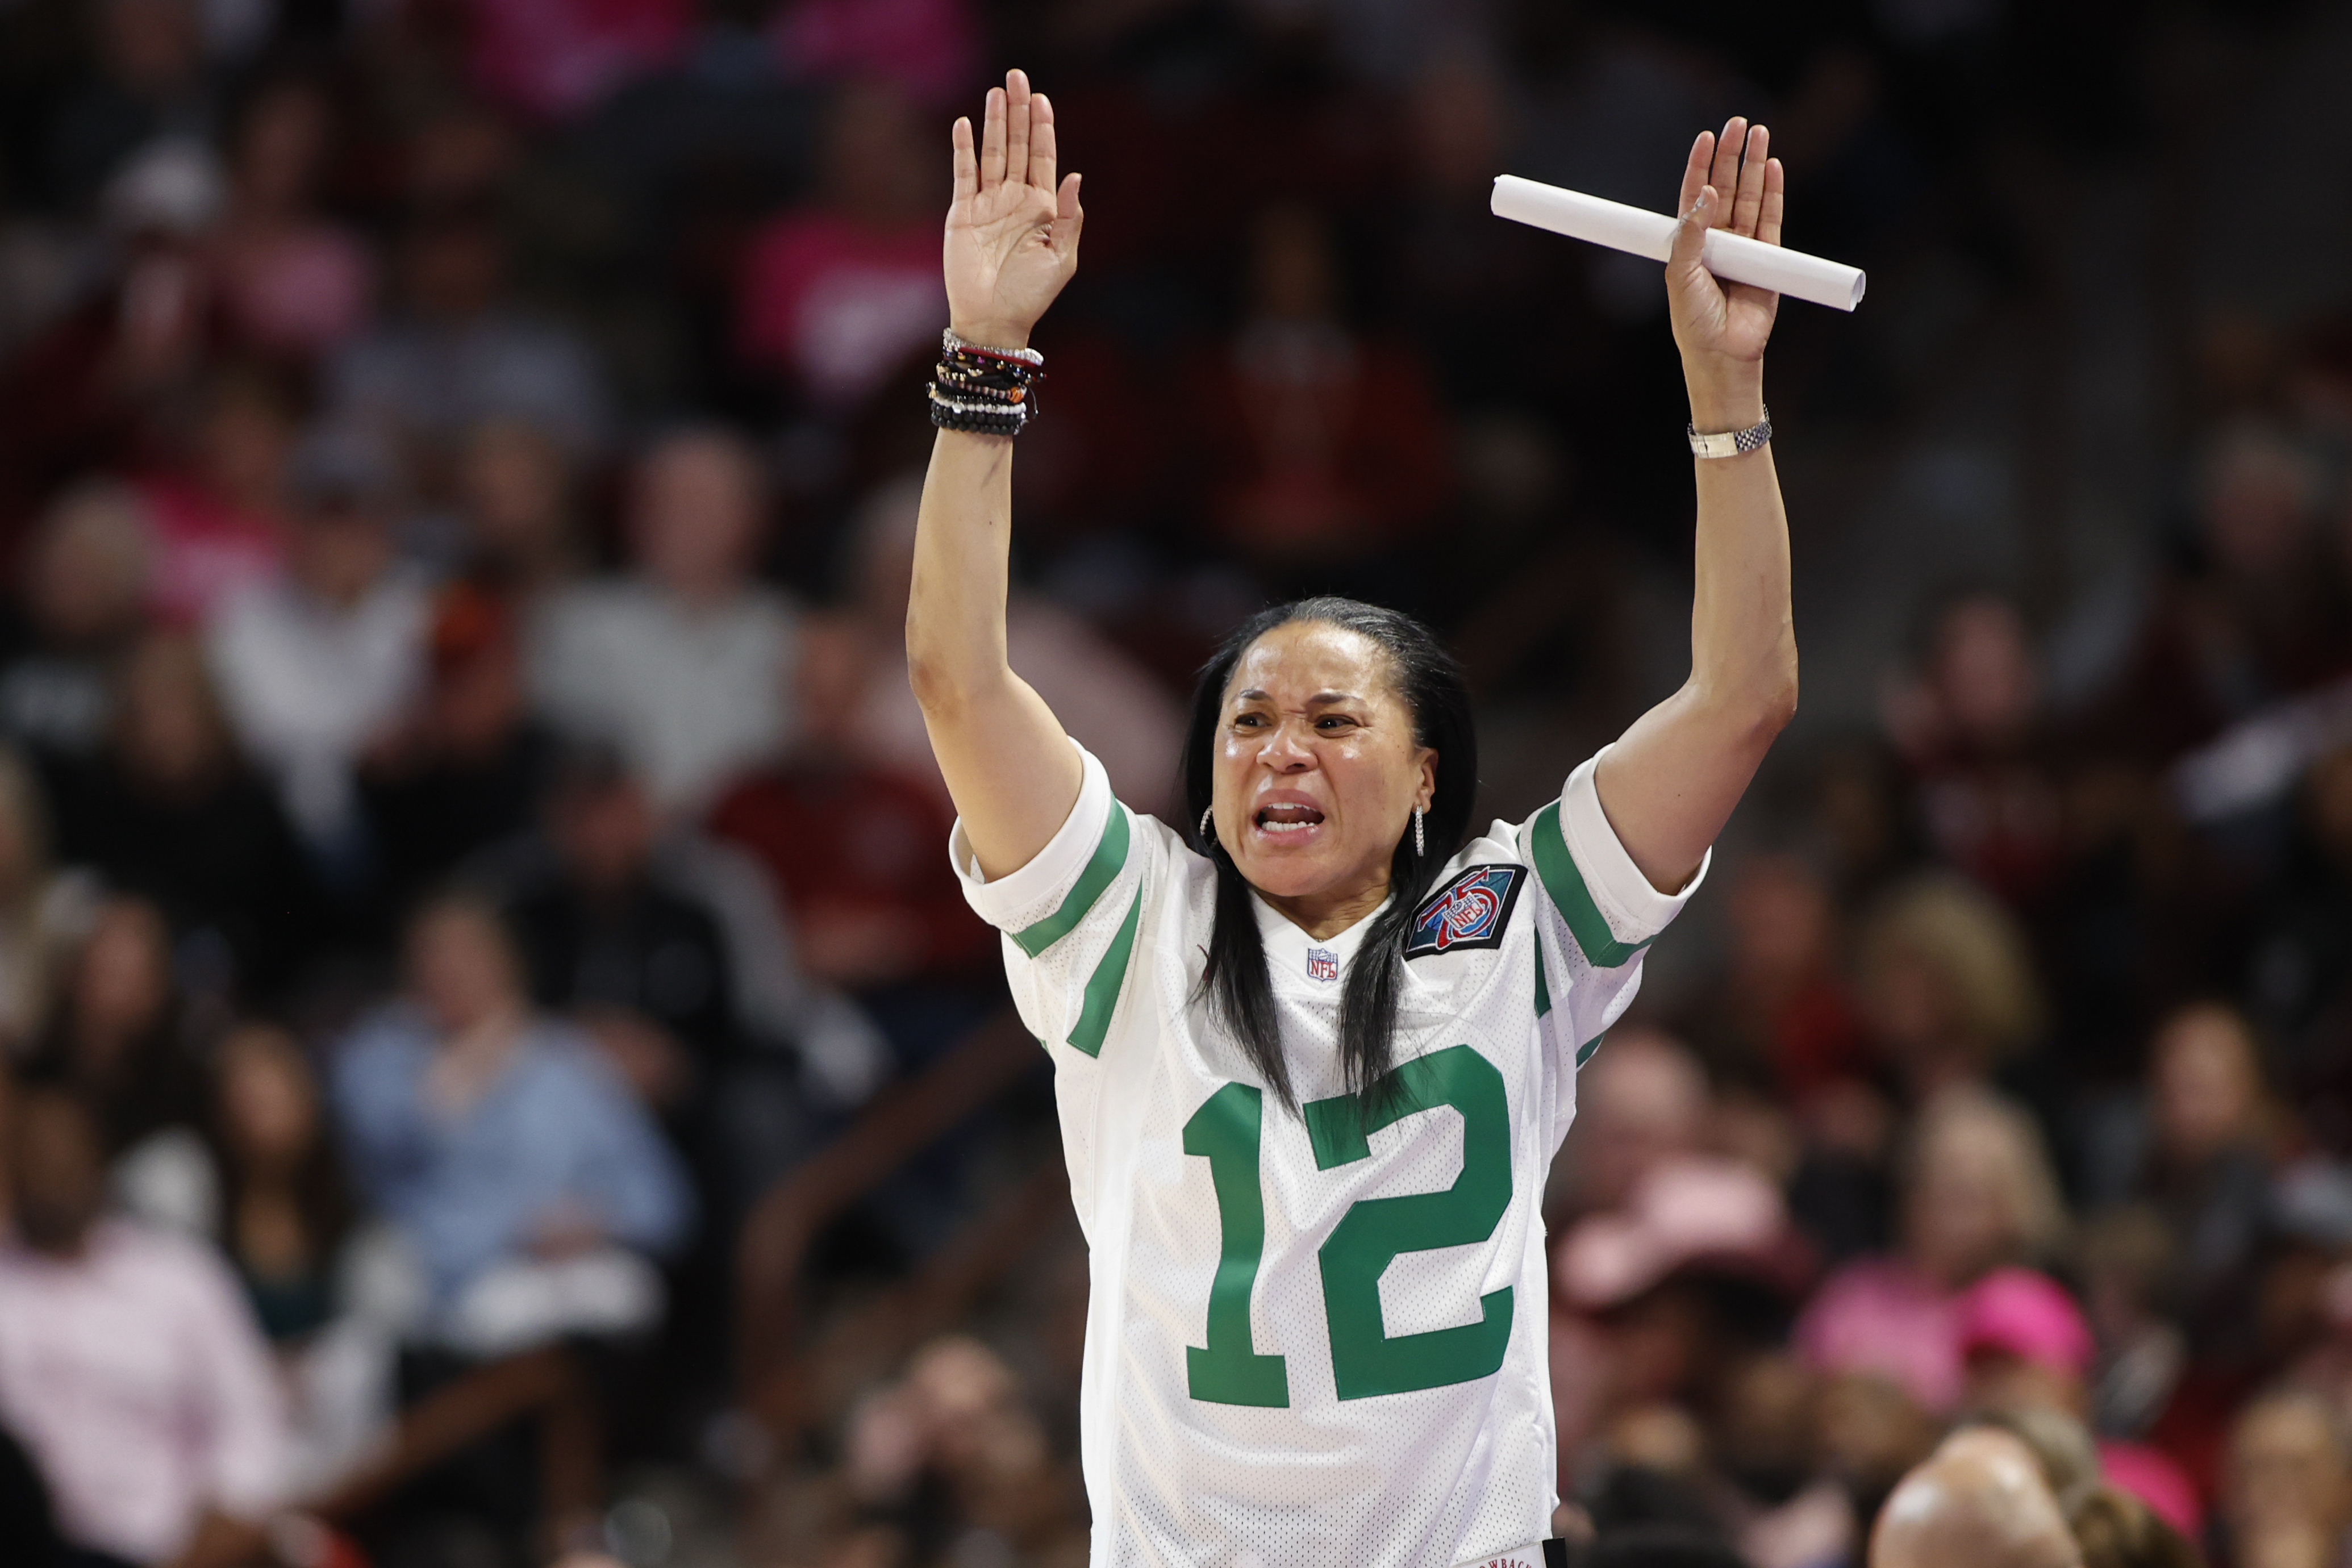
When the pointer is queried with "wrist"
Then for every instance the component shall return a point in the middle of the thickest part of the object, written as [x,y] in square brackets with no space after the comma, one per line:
[983,334]
[1724,396]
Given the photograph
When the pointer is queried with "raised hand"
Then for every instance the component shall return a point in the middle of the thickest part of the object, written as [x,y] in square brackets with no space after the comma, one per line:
[1729,183]
[1013,233]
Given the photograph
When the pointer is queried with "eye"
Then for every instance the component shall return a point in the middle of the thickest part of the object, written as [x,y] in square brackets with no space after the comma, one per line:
[1335,721]
[1248,720]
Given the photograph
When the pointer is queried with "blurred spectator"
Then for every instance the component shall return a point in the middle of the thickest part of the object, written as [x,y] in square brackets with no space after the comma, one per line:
[105,386]
[82,598]
[330,1293]
[841,292]
[459,351]
[44,913]
[1970,728]
[515,491]
[953,1454]
[686,664]
[285,1210]
[463,769]
[129,1363]
[151,83]
[2025,1347]
[220,522]
[1978,1192]
[644,968]
[1642,1099]
[2127,1262]
[316,664]
[1782,1015]
[1115,708]
[1981,1501]
[1948,986]
[854,847]
[2287,1500]
[120,1042]
[169,812]
[2199,1152]
[1322,445]
[293,284]
[2262,617]
[514,1158]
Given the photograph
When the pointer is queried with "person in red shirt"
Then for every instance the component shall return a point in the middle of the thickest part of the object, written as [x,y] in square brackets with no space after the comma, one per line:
[853,845]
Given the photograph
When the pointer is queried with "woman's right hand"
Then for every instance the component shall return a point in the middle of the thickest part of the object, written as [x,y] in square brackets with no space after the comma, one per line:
[1012,234]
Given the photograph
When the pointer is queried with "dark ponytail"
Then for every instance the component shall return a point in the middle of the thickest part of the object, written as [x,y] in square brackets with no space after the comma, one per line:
[1236,982]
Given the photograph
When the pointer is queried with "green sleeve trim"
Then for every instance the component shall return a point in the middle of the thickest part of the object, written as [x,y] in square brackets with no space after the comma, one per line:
[1103,986]
[1543,988]
[1102,870]
[1584,1052]
[1571,897]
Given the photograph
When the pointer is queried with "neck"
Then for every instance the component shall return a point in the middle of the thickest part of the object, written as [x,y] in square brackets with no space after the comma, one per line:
[1324,915]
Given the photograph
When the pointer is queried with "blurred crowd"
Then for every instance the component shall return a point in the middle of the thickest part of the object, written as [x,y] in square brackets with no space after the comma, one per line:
[472,874]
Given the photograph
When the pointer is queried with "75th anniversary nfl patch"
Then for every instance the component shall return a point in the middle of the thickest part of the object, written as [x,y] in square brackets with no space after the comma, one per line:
[1469,911]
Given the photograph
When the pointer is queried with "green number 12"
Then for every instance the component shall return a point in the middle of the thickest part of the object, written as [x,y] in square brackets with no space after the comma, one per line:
[1365,1358]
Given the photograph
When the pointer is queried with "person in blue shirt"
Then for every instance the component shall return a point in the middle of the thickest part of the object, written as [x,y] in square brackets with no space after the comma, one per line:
[531,1185]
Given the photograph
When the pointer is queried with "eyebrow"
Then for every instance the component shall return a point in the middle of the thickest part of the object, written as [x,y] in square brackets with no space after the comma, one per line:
[1320,699]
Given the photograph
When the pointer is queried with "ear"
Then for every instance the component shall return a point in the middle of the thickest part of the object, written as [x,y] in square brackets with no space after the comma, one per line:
[1427,791]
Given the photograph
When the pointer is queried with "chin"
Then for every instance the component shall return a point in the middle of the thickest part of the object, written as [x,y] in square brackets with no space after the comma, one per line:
[1289,874]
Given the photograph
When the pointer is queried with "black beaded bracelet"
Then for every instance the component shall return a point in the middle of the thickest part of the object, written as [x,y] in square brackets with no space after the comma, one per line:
[990,391]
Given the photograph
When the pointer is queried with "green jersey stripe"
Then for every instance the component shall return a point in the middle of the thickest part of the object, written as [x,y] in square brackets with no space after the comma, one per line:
[1103,986]
[1568,894]
[1109,859]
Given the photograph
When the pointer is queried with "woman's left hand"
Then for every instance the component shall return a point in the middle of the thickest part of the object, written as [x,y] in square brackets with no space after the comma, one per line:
[1733,184]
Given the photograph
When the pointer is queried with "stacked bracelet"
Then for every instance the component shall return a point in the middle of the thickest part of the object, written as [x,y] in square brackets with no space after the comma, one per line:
[992,391]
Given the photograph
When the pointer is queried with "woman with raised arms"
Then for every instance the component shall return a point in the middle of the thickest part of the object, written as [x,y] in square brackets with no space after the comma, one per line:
[1314,1052]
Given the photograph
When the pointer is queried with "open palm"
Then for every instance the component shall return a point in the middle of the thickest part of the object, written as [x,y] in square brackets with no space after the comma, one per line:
[1013,233]
[1713,319]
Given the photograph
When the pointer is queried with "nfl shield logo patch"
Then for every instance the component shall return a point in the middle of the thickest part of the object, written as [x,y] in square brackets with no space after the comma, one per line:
[1322,963]
[1469,911]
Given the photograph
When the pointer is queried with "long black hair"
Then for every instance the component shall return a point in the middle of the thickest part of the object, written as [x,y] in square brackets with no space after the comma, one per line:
[1236,982]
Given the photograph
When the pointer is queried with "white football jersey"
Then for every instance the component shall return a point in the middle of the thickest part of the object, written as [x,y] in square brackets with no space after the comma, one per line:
[1315,1340]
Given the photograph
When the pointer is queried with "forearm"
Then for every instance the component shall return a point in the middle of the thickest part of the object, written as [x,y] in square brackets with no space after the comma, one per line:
[1743,638]
[1672,780]
[1007,765]
[955,611]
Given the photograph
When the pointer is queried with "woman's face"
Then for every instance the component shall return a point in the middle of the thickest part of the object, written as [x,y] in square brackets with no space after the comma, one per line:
[269,1104]
[1316,769]
[1962,1211]
[123,981]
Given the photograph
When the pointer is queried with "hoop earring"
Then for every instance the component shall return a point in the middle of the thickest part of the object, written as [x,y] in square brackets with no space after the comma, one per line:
[1208,831]
[1420,845]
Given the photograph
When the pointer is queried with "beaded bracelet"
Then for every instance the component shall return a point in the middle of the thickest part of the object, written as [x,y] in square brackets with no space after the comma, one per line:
[992,391]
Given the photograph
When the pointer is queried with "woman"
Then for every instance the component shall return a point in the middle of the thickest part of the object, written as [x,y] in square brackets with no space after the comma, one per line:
[1260,1381]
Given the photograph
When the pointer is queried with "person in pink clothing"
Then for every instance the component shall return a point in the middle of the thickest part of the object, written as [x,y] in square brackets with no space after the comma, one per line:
[1980,1195]
[2024,1344]
[131,1368]
[839,295]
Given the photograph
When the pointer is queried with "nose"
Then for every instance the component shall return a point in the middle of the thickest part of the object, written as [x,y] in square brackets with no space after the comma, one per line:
[1288,748]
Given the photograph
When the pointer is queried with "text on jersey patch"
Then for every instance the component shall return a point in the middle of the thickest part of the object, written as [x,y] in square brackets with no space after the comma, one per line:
[1471,910]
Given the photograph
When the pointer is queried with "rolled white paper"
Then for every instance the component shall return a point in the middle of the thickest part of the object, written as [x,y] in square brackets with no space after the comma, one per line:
[1723,253]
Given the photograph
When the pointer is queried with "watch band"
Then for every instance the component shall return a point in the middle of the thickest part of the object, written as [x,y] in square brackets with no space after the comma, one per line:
[1730,443]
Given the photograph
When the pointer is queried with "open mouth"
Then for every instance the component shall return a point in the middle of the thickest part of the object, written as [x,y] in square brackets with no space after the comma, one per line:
[1287,819]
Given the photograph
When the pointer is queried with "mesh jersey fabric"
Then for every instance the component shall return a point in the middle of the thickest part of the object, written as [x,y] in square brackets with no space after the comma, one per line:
[1309,1340]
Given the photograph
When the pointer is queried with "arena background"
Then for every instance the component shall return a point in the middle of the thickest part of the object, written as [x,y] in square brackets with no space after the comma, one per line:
[457,455]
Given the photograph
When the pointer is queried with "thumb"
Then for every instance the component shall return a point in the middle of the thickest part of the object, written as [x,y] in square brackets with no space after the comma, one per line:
[1691,232]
